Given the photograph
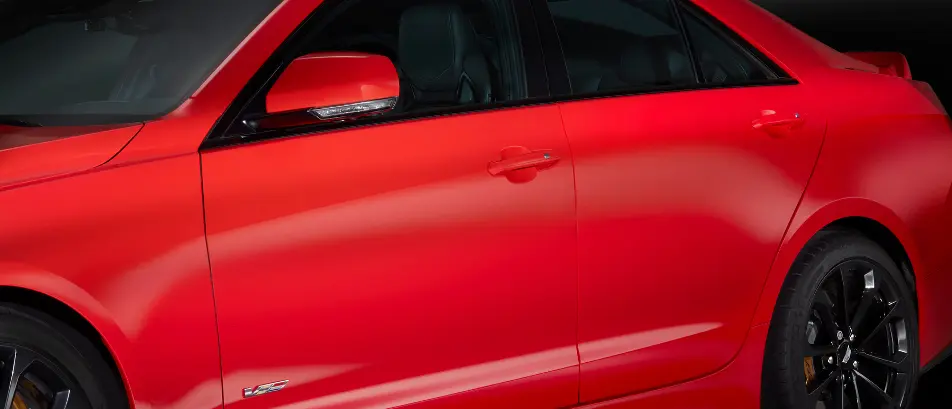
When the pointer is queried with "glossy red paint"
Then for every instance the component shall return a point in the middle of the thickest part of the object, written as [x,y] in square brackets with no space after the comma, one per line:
[30,154]
[901,183]
[665,203]
[888,63]
[733,386]
[426,276]
[331,79]
[124,246]
[647,259]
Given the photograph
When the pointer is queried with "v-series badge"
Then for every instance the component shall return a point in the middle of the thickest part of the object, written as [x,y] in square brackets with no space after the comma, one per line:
[266,388]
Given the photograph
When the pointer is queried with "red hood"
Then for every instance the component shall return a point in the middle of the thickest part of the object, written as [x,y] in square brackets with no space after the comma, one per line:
[32,153]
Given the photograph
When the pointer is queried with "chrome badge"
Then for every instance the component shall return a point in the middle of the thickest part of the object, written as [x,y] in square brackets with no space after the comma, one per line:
[266,388]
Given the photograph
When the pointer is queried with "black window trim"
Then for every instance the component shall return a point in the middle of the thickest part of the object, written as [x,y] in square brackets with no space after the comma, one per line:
[726,33]
[529,38]
[558,69]
[686,40]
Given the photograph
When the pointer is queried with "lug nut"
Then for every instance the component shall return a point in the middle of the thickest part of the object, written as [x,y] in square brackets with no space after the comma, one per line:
[855,364]
[852,337]
[829,360]
[839,335]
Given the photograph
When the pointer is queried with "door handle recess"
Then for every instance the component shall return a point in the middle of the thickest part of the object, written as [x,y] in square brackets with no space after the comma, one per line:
[531,159]
[772,121]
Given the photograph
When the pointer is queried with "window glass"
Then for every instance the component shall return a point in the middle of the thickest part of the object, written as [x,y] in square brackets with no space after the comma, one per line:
[621,44]
[448,53]
[721,60]
[113,61]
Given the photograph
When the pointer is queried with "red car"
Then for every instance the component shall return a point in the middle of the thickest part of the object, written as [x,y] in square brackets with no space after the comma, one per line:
[462,204]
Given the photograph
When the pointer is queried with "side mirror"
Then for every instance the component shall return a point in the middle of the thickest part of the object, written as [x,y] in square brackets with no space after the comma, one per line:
[335,86]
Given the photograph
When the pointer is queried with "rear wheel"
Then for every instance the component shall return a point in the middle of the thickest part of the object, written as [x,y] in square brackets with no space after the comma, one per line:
[45,364]
[844,333]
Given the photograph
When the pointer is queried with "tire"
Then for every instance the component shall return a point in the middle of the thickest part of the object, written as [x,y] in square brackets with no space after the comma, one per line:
[59,362]
[836,274]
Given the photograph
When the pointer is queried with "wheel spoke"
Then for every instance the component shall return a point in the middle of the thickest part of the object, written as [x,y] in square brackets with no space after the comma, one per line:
[825,309]
[862,309]
[839,398]
[882,323]
[872,385]
[897,365]
[859,402]
[844,291]
[818,392]
[15,363]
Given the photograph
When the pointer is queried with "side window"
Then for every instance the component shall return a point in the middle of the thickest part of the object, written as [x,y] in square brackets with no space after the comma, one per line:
[448,53]
[621,44]
[721,61]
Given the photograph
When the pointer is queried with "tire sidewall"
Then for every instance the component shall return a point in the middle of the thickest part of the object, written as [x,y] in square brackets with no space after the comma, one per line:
[72,354]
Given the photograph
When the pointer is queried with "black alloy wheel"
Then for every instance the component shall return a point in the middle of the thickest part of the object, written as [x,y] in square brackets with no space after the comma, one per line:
[844,334]
[33,382]
[856,344]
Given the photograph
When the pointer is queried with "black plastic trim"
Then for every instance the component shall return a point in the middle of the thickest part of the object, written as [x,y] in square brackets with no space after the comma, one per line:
[251,137]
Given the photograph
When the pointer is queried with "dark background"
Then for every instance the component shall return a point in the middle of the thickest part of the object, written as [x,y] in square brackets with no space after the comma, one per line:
[920,29]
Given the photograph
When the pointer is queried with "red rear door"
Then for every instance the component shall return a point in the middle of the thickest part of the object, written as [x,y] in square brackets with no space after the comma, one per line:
[688,174]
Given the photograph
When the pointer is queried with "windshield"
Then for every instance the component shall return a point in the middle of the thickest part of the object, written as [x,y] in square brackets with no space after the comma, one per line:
[81,62]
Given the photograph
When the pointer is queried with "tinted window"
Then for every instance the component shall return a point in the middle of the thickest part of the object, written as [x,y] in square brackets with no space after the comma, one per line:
[721,60]
[448,53]
[621,44]
[106,61]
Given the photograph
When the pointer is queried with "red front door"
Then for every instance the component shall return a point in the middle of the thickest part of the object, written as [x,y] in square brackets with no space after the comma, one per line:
[386,265]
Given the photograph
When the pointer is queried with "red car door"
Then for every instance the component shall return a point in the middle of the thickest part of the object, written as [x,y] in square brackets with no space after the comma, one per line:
[400,262]
[688,172]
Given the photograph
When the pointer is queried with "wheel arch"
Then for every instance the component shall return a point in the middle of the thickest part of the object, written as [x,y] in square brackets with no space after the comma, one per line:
[882,236]
[873,220]
[61,299]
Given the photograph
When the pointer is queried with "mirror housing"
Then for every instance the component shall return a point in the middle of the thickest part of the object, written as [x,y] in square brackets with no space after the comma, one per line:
[335,86]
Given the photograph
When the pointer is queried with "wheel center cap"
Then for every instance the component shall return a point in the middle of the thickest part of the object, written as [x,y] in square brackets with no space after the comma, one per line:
[847,354]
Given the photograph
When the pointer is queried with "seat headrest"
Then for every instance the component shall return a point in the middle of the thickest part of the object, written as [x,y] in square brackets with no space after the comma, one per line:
[435,40]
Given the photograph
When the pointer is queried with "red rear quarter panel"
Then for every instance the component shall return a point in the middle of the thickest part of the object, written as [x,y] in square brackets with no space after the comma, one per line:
[886,157]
